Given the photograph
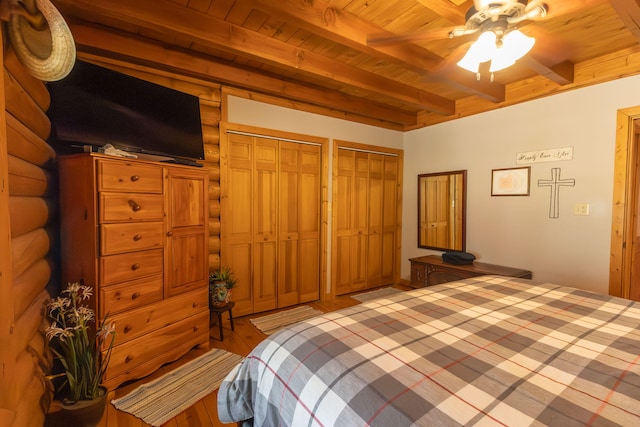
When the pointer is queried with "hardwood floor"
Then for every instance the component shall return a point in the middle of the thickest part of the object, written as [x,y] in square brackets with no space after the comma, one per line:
[204,413]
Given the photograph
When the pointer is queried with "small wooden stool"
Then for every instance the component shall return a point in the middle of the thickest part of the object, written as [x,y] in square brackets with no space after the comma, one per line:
[218,310]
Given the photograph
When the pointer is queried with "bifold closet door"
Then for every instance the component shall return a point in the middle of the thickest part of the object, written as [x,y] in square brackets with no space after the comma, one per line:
[271,217]
[365,204]
[299,223]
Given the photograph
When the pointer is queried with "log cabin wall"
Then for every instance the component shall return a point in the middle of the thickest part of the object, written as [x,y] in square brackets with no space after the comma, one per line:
[27,218]
[28,222]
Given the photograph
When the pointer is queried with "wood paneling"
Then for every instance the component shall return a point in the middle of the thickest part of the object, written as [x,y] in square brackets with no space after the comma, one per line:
[316,56]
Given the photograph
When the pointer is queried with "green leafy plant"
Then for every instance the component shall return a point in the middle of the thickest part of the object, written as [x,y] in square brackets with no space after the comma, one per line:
[221,281]
[69,335]
[223,275]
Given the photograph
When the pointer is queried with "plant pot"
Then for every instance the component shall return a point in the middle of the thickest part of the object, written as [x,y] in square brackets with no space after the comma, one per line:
[220,294]
[84,413]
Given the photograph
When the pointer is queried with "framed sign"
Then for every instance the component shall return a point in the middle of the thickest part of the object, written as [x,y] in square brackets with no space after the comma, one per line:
[510,182]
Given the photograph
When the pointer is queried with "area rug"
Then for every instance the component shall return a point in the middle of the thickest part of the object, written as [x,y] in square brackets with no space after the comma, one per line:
[378,293]
[158,401]
[272,323]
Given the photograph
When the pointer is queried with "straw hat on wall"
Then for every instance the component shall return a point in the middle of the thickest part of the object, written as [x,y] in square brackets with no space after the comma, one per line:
[40,37]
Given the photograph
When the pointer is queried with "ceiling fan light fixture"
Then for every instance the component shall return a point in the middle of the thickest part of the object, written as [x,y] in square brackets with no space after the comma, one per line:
[516,44]
[482,50]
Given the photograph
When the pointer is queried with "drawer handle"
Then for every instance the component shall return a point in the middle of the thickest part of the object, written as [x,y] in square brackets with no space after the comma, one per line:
[127,329]
[135,266]
[266,238]
[170,233]
[135,296]
[137,237]
[134,206]
[128,359]
[134,178]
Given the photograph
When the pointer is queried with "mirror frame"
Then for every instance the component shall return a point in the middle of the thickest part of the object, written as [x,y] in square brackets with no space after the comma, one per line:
[463,212]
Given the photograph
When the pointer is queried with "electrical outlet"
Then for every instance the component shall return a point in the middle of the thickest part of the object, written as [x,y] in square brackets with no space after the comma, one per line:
[581,209]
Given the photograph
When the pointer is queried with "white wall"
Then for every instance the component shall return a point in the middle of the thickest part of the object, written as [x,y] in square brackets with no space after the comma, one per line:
[512,231]
[247,112]
[517,231]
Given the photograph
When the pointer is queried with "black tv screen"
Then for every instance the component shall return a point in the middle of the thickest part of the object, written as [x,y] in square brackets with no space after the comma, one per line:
[94,106]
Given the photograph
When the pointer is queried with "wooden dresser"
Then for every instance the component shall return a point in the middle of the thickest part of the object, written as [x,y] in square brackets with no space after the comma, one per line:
[431,270]
[137,232]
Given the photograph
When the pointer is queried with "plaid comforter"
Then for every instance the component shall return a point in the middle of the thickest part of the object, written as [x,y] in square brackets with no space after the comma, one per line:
[484,351]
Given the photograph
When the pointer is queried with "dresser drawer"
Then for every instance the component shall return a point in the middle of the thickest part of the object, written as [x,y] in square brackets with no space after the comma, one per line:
[147,353]
[129,177]
[131,207]
[129,295]
[141,321]
[130,266]
[117,238]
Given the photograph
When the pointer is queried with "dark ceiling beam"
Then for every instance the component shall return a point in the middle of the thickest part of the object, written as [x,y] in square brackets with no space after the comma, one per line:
[171,18]
[92,39]
[353,32]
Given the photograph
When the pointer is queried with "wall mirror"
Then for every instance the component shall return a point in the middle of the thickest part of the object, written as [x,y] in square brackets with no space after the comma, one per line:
[442,210]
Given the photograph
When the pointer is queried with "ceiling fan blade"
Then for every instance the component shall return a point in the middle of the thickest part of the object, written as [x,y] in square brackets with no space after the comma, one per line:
[432,34]
[557,8]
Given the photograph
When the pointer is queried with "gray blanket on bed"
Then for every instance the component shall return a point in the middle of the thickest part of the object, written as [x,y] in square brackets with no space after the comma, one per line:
[483,351]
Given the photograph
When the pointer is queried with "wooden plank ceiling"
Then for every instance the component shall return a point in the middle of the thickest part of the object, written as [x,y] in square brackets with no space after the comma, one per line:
[317,55]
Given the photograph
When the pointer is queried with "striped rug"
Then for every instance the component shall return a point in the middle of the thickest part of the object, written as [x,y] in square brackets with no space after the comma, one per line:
[378,293]
[274,322]
[158,401]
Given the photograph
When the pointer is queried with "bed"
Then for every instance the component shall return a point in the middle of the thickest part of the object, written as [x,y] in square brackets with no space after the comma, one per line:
[486,351]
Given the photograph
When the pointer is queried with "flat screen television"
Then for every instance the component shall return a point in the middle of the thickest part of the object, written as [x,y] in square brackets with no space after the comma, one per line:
[94,106]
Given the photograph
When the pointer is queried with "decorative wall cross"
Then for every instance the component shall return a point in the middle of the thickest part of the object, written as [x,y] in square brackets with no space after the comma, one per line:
[555,183]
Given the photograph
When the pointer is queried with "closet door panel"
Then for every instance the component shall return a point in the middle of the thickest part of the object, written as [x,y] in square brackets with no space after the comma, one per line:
[237,214]
[309,287]
[288,276]
[265,225]
[239,256]
[358,262]
[288,225]
[389,248]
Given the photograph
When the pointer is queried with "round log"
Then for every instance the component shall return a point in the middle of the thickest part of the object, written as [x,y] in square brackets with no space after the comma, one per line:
[211,135]
[29,248]
[29,284]
[214,209]
[26,145]
[212,153]
[214,226]
[214,190]
[27,214]
[214,261]
[31,85]
[26,179]
[29,323]
[214,244]
[25,109]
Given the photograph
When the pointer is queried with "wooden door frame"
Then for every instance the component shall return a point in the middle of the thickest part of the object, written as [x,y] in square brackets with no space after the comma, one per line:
[624,203]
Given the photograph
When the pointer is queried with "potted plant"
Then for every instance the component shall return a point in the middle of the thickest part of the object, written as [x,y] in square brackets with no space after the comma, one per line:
[221,281]
[80,354]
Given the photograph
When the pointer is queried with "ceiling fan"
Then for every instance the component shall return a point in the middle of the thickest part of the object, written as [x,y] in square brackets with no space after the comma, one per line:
[496,20]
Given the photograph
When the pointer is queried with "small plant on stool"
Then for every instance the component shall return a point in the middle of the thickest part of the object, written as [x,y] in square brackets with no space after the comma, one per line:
[221,281]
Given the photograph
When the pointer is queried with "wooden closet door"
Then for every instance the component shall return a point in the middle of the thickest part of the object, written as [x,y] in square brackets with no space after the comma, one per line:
[343,219]
[390,248]
[309,237]
[237,213]
[376,198]
[299,223]
[365,220]
[265,252]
